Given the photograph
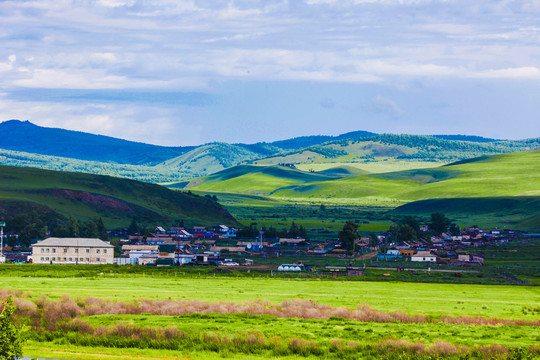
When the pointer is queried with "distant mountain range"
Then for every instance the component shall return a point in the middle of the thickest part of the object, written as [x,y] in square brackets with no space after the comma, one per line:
[25,144]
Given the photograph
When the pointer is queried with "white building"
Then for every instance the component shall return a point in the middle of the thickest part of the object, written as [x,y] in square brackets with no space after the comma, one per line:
[424,256]
[72,251]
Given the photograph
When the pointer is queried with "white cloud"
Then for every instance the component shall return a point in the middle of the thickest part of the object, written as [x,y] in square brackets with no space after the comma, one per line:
[510,73]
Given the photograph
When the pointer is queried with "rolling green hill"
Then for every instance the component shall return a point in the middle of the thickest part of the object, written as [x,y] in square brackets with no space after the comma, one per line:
[516,174]
[117,201]
[250,179]
[506,185]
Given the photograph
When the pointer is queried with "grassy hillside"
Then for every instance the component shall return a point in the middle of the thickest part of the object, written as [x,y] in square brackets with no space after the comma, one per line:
[251,179]
[208,159]
[117,201]
[507,186]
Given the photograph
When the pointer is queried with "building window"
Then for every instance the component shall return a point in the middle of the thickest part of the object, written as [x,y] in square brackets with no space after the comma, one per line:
[53,259]
[81,259]
[47,249]
[104,251]
[87,260]
[65,250]
[53,250]
[97,251]
[42,259]
[70,259]
[47,259]
[97,260]
[76,251]
[88,251]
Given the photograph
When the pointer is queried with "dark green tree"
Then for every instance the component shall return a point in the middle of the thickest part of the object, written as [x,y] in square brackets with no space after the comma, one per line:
[74,227]
[10,337]
[439,223]
[133,227]
[348,235]
[102,230]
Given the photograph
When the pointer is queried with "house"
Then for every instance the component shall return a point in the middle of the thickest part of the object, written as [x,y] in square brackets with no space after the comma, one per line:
[72,251]
[424,256]
[407,252]
[227,231]
[291,241]
[471,259]
[231,249]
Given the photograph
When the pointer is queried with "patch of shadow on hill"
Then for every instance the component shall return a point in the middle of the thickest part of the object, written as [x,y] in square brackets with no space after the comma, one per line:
[510,205]
[425,176]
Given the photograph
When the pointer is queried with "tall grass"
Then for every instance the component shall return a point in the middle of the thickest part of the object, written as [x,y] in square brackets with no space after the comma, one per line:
[61,320]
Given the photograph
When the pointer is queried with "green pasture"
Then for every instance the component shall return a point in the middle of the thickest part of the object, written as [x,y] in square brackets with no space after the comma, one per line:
[412,298]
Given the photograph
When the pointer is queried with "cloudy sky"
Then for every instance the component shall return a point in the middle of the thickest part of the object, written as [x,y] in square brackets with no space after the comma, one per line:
[175,72]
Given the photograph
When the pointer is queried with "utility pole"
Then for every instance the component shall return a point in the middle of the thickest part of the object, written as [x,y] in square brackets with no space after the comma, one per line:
[2,259]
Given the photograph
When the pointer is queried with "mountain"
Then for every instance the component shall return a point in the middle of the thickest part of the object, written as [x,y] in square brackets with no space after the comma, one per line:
[84,196]
[306,141]
[25,144]
[27,137]
[390,147]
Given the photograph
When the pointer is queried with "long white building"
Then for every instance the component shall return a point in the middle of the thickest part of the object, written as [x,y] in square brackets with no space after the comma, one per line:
[72,251]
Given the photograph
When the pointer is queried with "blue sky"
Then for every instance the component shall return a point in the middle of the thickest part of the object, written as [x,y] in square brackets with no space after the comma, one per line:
[175,72]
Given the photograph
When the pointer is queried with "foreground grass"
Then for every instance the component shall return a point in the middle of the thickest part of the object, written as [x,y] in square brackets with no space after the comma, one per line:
[429,299]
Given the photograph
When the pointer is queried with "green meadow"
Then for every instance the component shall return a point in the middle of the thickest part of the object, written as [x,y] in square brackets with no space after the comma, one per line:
[215,333]
[413,298]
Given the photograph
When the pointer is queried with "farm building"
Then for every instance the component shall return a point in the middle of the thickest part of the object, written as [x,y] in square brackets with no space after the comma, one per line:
[72,251]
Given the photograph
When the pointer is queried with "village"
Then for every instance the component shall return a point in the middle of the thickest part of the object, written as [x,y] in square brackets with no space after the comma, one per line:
[220,246]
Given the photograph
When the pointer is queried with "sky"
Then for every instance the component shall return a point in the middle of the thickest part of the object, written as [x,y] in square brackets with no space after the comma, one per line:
[187,72]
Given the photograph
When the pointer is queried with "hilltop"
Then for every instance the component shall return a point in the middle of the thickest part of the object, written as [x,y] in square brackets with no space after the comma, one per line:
[56,195]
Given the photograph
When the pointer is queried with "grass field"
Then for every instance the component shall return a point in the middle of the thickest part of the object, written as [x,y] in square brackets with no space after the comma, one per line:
[436,299]
[299,334]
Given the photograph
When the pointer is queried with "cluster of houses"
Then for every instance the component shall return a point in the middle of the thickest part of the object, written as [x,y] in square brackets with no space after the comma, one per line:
[219,246]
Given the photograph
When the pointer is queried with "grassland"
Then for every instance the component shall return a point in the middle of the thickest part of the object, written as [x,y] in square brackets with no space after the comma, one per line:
[163,313]
[436,299]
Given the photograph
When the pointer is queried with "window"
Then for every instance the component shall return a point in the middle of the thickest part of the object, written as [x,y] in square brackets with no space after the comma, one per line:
[42,250]
[42,259]
[53,250]
[97,260]
[47,249]
[53,259]
[76,251]
[87,260]
[97,251]
[70,259]
[47,259]
[81,259]
[65,250]
[88,251]
[104,251]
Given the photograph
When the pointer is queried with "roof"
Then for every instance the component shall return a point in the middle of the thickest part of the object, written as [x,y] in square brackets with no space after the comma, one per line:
[423,254]
[73,242]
